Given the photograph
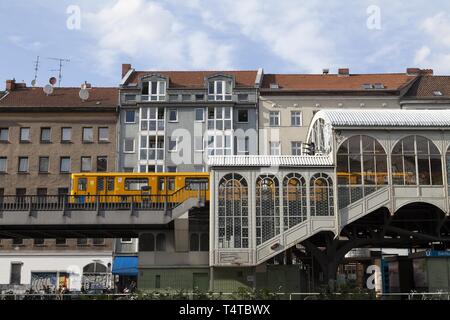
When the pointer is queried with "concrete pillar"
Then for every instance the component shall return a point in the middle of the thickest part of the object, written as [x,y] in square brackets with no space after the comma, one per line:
[181,233]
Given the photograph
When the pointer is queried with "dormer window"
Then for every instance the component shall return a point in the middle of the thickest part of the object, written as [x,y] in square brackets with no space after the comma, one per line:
[220,90]
[153,91]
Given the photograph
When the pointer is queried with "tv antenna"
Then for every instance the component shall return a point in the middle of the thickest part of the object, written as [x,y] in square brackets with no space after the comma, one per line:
[36,69]
[61,64]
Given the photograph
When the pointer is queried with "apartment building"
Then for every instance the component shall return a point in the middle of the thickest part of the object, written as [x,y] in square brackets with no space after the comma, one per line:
[44,138]
[428,92]
[288,102]
[171,120]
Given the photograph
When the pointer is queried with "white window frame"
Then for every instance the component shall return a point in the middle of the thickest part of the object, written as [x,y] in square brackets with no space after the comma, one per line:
[203,114]
[81,164]
[83,138]
[7,135]
[121,240]
[299,116]
[124,145]
[125,120]
[274,115]
[271,143]
[214,96]
[29,134]
[60,164]
[176,139]
[299,148]
[176,113]
[68,129]
[27,169]
[158,95]
[107,134]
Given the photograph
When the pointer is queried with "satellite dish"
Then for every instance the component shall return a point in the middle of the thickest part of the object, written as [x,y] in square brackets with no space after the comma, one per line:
[48,89]
[84,94]
[52,81]
[33,83]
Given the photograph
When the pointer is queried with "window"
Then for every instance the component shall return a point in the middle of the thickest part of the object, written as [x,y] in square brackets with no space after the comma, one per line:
[220,90]
[294,200]
[39,241]
[82,184]
[173,115]
[274,118]
[23,164]
[161,242]
[3,164]
[200,115]
[321,195]
[66,134]
[82,242]
[242,115]
[135,184]
[233,215]
[130,116]
[173,144]
[296,147]
[171,168]
[186,97]
[16,271]
[43,164]
[170,184]
[45,135]
[88,134]
[296,118]
[275,148]
[199,97]
[103,135]
[152,119]
[24,135]
[64,164]
[17,242]
[4,134]
[198,144]
[267,208]
[102,164]
[128,145]
[60,241]
[416,160]
[153,91]
[98,241]
[242,97]
[126,240]
[86,164]
[219,118]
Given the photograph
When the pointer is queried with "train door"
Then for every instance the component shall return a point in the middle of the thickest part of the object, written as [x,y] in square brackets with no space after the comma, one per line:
[106,189]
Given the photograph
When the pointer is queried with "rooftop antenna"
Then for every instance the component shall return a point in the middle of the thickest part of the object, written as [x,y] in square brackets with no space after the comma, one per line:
[60,60]
[36,69]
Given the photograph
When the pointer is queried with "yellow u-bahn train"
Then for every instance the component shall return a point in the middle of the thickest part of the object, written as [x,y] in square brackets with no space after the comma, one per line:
[154,187]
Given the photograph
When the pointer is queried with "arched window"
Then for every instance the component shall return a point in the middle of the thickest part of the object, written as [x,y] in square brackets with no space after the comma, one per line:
[233,211]
[448,168]
[147,242]
[294,200]
[267,208]
[321,195]
[160,242]
[94,267]
[361,168]
[416,161]
[204,242]
[194,242]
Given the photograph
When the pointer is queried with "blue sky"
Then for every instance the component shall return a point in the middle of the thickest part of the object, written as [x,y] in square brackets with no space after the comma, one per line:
[284,36]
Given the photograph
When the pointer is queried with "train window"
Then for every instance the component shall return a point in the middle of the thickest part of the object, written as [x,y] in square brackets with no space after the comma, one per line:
[135,184]
[161,184]
[196,183]
[170,184]
[82,184]
[100,184]
[110,184]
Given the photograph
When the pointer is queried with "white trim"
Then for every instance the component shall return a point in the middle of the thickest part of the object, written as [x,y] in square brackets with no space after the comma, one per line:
[203,113]
[125,118]
[168,116]
[6,164]
[127,75]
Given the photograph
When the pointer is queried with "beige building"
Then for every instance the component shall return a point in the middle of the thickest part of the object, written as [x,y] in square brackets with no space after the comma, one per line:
[288,102]
[44,138]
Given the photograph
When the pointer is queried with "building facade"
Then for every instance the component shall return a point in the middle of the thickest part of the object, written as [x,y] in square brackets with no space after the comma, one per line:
[172,120]
[288,102]
[44,138]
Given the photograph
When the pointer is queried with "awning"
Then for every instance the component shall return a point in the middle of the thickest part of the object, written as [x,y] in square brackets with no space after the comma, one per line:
[125,265]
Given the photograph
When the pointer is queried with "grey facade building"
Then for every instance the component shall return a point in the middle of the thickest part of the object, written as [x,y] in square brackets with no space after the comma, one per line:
[171,120]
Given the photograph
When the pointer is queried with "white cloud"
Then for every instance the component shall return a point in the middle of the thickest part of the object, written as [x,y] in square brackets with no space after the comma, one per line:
[422,55]
[438,28]
[21,42]
[149,33]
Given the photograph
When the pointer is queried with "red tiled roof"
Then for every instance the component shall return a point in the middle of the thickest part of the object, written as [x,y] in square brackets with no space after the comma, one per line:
[196,79]
[61,97]
[334,82]
[425,87]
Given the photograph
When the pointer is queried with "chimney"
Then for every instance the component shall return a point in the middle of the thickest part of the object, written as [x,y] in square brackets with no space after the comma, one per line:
[413,71]
[426,72]
[10,84]
[344,71]
[125,68]
[88,85]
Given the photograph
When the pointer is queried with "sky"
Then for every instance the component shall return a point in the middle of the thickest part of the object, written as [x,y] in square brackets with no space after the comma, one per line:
[281,36]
